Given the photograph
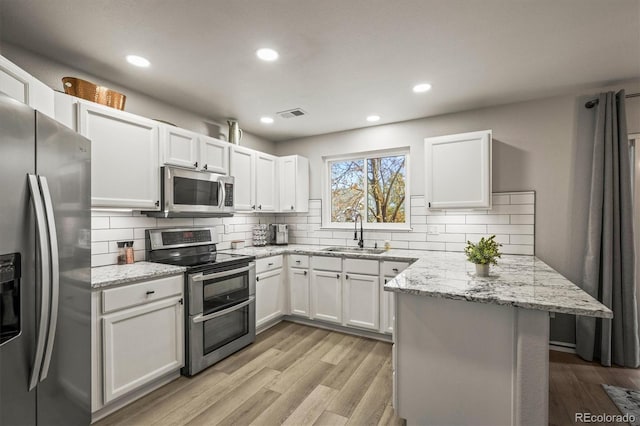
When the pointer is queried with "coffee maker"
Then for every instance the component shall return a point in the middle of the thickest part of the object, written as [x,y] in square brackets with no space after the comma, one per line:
[279,234]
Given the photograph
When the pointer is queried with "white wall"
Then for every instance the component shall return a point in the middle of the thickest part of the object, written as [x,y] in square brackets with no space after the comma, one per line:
[542,145]
[51,72]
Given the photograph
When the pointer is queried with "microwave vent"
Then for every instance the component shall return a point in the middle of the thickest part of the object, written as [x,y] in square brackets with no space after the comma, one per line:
[291,113]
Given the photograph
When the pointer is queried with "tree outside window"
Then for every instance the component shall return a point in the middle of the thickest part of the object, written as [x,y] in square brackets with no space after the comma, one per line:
[374,186]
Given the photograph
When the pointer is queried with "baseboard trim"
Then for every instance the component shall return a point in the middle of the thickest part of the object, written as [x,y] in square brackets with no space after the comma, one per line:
[562,347]
[335,327]
[134,396]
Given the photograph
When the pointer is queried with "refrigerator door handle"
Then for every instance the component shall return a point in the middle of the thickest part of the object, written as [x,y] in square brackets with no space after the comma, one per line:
[45,278]
[55,274]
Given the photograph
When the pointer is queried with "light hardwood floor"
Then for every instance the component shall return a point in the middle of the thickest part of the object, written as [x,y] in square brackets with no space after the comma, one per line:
[299,375]
[293,374]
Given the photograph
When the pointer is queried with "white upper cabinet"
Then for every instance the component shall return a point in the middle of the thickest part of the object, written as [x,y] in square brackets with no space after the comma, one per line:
[20,85]
[214,155]
[266,182]
[124,157]
[294,183]
[180,147]
[243,169]
[458,171]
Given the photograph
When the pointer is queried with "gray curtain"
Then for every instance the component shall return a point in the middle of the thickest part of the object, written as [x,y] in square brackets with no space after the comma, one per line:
[609,274]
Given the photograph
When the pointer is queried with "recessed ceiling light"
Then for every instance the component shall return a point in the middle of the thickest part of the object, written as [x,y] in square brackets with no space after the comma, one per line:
[138,61]
[373,118]
[266,120]
[422,87]
[267,54]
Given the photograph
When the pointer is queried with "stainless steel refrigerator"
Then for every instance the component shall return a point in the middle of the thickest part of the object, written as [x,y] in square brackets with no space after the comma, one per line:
[45,259]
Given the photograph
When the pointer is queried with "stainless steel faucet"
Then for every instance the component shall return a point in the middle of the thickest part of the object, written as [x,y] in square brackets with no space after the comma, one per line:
[355,233]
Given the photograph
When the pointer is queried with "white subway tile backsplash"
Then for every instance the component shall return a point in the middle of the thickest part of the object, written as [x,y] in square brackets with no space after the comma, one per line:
[466,229]
[500,199]
[517,249]
[408,236]
[513,209]
[174,222]
[459,219]
[510,229]
[501,238]
[100,247]
[418,220]
[455,246]
[420,245]
[98,222]
[488,219]
[450,238]
[523,198]
[111,235]
[133,222]
[522,219]
[522,239]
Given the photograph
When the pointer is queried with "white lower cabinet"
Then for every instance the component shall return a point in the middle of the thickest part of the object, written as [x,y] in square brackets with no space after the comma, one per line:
[362,301]
[299,292]
[137,337]
[141,344]
[270,296]
[326,296]
[387,310]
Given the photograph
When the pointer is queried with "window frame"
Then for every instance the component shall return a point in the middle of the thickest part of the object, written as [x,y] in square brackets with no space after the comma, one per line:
[326,189]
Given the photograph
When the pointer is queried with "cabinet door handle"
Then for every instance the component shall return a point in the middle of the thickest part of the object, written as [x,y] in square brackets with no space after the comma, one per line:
[385,280]
[337,275]
[195,164]
[395,269]
[346,276]
[297,261]
[157,203]
[150,292]
[305,272]
[253,207]
[206,167]
[260,207]
[292,208]
[269,264]
[257,279]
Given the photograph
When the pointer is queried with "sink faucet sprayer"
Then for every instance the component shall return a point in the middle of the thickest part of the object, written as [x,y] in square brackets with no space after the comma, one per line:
[355,234]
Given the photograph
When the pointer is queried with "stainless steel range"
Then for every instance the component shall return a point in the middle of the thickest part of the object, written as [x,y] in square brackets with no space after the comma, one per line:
[219,289]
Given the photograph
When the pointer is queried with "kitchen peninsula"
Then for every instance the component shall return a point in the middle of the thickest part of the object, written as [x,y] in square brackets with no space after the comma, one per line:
[484,363]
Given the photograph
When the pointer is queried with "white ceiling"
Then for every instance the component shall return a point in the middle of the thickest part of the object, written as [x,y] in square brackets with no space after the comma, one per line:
[340,60]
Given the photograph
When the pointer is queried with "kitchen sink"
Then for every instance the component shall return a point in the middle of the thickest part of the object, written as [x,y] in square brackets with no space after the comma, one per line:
[354,250]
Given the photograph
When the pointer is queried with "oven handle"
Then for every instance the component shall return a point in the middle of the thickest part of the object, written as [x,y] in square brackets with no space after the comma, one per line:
[202,277]
[202,318]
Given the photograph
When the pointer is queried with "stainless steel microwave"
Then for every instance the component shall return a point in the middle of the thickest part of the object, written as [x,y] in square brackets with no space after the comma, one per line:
[189,193]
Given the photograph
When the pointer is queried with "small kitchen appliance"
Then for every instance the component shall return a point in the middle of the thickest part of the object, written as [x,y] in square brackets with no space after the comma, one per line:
[279,234]
[189,193]
[220,288]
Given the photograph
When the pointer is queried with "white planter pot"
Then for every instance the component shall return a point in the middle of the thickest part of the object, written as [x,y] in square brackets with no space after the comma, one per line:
[482,270]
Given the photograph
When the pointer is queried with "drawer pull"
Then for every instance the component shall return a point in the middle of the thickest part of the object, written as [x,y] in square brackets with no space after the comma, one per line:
[150,292]
[269,264]
[347,276]
[337,275]
[297,261]
[395,269]
[305,272]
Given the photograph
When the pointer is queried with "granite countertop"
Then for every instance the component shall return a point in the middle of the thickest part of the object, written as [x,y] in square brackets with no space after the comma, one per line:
[104,276]
[520,281]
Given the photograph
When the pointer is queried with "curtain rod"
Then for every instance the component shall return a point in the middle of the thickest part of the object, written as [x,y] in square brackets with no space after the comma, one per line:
[594,102]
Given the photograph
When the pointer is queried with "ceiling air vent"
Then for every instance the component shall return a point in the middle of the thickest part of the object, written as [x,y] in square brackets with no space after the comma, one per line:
[291,113]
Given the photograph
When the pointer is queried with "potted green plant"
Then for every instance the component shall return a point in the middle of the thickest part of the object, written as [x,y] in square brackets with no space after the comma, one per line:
[483,254]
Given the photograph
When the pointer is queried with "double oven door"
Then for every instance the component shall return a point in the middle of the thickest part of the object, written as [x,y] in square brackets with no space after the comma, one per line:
[222,314]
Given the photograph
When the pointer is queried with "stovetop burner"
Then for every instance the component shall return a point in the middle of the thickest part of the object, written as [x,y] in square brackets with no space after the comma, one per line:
[179,247]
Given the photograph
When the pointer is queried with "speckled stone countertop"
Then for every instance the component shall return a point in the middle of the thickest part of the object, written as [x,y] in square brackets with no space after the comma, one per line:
[521,281]
[105,276]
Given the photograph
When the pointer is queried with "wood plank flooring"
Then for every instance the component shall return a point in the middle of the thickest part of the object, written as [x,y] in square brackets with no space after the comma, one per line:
[575,386]
[292,375]
[299,375]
